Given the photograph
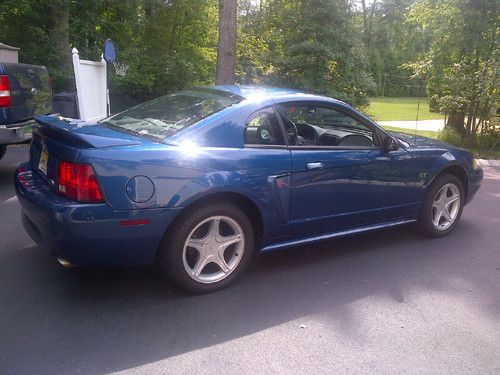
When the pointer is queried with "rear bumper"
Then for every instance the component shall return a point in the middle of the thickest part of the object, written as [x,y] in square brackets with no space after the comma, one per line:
[87,234]
[15,134]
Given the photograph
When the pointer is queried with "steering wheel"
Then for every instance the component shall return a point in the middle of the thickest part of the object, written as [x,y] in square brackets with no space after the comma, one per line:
[307,134]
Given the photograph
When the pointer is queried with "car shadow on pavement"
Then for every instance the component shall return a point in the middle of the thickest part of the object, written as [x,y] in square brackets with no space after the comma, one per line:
[98,320]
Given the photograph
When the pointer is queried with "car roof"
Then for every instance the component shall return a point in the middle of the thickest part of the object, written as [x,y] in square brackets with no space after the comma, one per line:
[231,119]
[268,92]
[249,90]
[268,95]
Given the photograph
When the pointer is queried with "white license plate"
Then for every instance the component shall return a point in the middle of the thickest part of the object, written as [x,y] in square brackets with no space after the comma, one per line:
[44,159]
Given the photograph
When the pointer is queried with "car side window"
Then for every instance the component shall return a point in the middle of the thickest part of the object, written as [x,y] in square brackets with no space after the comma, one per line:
[263,128]
[325,126]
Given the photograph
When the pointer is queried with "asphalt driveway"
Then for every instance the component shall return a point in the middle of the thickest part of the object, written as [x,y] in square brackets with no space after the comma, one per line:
[384,302]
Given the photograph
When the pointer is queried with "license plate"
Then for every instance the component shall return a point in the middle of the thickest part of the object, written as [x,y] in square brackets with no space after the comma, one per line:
[44,159]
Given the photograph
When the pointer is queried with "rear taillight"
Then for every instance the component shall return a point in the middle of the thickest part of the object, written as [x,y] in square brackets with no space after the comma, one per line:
[78,182]
[4,91]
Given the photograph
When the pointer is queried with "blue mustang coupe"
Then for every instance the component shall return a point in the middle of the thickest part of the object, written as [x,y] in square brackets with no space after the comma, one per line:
[201,179]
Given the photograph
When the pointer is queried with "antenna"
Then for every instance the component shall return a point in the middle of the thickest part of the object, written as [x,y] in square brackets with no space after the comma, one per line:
[418,110]
[416,120]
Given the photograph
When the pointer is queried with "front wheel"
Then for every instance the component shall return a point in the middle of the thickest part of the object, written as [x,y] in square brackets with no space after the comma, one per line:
[442,207]
[208,248]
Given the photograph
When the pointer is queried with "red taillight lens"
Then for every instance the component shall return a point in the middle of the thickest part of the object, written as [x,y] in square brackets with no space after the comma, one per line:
[78,182]
[4,91]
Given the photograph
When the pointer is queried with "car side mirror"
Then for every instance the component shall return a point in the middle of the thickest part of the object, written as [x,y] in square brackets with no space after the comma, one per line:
[390,144]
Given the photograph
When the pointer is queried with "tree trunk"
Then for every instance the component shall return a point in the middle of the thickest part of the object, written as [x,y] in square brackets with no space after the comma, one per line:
[370,25]
[365,20]
[456,122]
[61,51]
[226,48]
[148,9]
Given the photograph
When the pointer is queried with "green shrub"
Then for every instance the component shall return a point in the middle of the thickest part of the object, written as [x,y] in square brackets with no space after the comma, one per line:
[452,137]
[489,140]
[486,144]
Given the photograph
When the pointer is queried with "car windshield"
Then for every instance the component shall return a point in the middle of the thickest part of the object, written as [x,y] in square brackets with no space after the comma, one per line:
[163,117]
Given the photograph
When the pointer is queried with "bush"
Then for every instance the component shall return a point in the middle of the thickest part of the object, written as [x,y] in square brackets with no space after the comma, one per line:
[486,144]
[452,137]
[489,140]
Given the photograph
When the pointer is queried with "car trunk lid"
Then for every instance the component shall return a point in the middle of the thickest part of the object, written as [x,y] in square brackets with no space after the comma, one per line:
[56,138]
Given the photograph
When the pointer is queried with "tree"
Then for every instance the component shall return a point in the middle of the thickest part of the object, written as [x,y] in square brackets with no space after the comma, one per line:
[305,44]
[461,66]
[226,48]
[168,44]
[59,48]
[257,44]
[391,41]
[41,29]
[368,21]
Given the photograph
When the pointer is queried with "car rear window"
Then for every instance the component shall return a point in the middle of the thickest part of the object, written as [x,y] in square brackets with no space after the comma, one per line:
[169,114]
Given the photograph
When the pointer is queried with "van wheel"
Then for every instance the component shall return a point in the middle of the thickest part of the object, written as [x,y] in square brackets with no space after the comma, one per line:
[442,207]
[208,248]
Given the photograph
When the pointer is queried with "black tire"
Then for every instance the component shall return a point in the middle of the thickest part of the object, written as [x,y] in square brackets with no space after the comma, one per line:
[425,224]
[3,150]
[170,253]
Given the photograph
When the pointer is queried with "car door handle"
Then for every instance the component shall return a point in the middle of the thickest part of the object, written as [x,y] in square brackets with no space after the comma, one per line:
[315,165]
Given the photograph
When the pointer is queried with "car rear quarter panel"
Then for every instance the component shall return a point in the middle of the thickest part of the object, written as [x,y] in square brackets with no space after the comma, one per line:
[183,175]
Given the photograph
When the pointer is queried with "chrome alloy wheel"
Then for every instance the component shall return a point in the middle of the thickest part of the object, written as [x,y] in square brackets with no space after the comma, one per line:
[213,249]
[446,206]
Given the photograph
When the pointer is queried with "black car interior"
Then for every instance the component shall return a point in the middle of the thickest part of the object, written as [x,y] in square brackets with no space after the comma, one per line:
[308,125]
[263,128]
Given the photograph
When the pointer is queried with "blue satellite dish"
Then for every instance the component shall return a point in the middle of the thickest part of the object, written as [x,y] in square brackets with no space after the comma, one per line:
[109,51]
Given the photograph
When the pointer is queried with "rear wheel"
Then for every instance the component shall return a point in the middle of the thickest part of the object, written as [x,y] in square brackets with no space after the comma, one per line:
[3,150]
[208,248]
[443,206]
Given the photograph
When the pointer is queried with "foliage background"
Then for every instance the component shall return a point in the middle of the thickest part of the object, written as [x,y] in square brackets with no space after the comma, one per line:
[317,45]
[350,49]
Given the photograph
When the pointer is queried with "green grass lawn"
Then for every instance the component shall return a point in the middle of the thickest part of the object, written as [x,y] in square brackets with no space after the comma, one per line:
[402,109]
[423,133]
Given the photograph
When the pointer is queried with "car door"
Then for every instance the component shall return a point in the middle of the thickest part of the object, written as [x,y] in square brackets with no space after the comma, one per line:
[341,178]
[270,170]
